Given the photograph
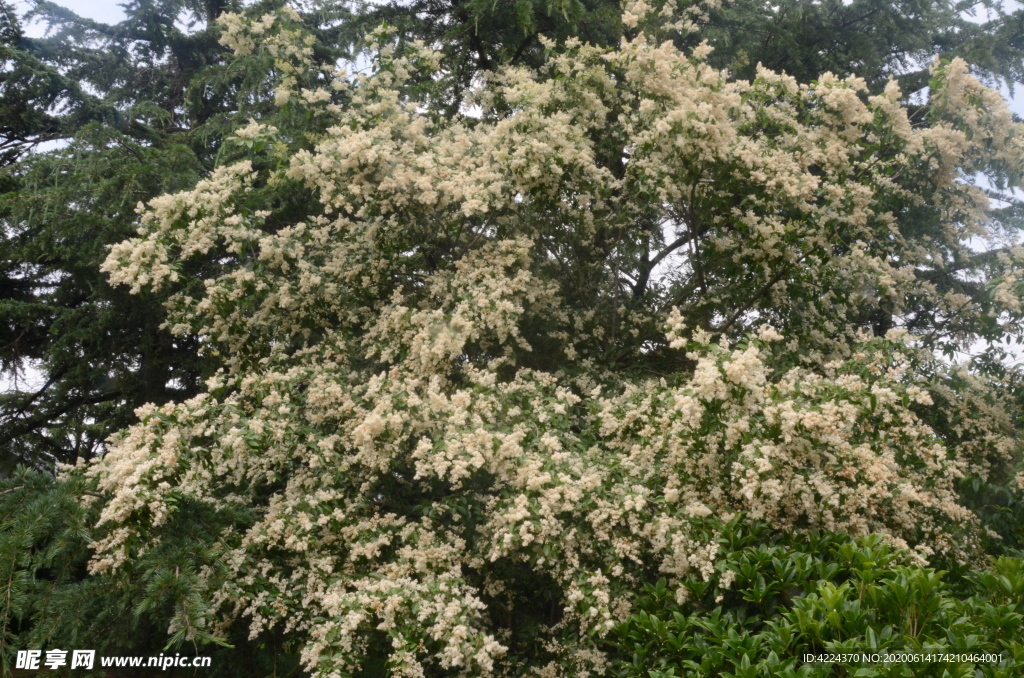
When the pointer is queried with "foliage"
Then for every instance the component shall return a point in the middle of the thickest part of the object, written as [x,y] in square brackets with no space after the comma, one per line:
[116,97]
[46,601]
[872,39]
[773,600]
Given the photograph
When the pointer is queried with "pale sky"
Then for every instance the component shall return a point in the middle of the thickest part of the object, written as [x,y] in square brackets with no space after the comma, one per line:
[107,11]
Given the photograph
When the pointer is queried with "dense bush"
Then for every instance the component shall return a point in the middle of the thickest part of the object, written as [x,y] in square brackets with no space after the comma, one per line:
[773,600]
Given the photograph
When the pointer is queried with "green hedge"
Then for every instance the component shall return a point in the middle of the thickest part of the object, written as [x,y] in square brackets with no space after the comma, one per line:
[824,594]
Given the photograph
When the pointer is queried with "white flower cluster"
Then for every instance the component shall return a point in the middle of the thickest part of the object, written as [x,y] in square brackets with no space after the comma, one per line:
[412,406]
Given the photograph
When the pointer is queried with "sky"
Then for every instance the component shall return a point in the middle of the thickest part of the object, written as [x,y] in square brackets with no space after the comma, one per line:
[107,11]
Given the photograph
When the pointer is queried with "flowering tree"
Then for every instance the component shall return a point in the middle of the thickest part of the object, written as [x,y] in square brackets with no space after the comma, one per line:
[485,375]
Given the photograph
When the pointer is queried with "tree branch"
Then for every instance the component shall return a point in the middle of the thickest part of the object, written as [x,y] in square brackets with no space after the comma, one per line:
[761,292]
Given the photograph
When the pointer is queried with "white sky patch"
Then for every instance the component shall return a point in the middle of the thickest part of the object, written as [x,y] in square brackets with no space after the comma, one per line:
[106,11]
[980,14]
[28,379]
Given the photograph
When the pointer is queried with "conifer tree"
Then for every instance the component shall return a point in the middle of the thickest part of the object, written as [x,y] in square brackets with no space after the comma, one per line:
[130,120]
